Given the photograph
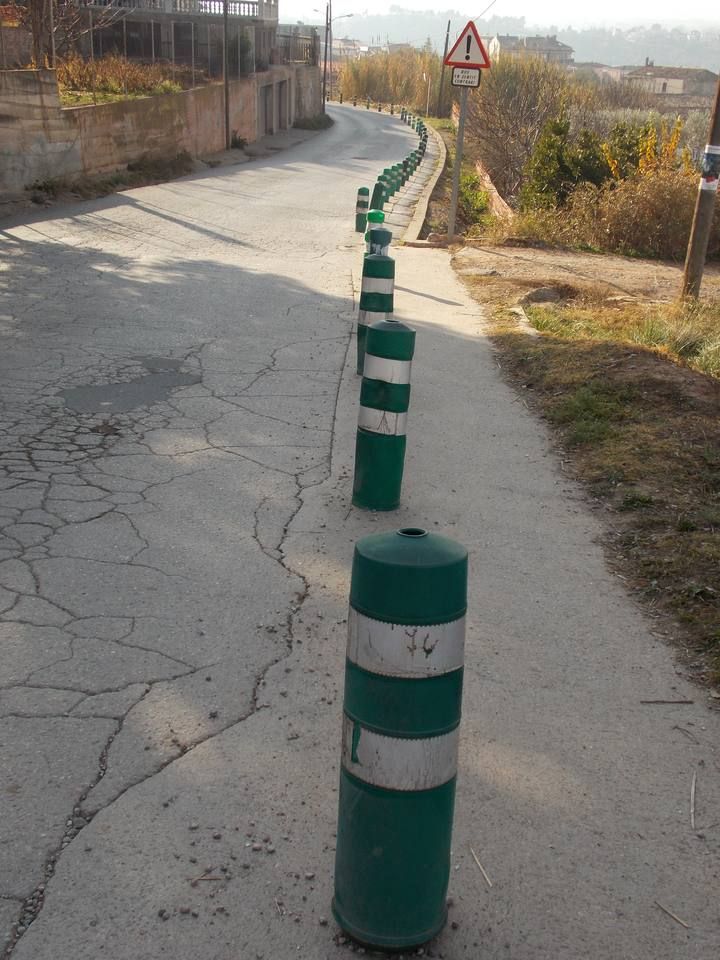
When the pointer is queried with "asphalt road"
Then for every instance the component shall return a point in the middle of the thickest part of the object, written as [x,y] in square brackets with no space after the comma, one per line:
[169,370]
[176,588]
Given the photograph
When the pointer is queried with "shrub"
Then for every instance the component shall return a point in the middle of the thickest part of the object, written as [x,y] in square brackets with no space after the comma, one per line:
[647,216]
[559,164]
[472,200]
[319,122]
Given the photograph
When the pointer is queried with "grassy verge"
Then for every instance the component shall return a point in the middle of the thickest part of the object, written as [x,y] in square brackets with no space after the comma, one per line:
[633,395]
[142,172]
[472,218]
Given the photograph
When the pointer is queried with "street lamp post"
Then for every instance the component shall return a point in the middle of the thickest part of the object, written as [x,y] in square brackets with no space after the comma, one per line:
[342,16]
[329,20]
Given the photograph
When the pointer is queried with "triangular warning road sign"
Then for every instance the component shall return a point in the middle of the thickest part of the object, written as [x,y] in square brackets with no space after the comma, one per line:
[468,50]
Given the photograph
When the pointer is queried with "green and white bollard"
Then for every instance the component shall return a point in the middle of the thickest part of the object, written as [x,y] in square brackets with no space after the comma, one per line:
[382,418]
[378,242]
[376,298]
[402,708]
[378,196]
[374,225]
[375,218]
[367,105]
[361,209]
[387,178]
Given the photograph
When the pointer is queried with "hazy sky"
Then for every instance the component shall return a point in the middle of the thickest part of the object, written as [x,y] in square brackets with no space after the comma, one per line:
[559,12]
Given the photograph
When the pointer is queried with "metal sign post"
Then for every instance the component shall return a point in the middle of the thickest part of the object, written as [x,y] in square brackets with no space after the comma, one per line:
[467,58]
[452,213]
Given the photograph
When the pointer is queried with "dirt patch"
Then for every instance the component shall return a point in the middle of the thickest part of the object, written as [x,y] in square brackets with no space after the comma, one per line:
[590,275]
[632,420]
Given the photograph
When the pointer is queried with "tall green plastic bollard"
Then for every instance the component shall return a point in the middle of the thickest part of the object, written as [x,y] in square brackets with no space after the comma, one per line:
[354,101]
[377,297]
[379,108]
[382,418]
[387,178]
[375,219]
[361,209]
[392,109]
[374,223]
[378,242]
[367,105]
[403,701]
[378,196]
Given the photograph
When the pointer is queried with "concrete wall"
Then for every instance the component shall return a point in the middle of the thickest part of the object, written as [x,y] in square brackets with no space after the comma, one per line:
[39,139]
[15,47]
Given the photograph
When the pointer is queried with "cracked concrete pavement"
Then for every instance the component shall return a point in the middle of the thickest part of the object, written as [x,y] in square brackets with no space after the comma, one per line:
[175,766]
[170,366]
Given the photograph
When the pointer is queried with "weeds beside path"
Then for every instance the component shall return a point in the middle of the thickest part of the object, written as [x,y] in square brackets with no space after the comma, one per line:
[629,384]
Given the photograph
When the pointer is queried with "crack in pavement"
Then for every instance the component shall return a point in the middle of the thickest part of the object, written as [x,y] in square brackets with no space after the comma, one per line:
[72,494]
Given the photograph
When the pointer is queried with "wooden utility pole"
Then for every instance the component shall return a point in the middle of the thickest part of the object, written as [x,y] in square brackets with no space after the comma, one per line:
[226,76]
[704,207]
[325,58]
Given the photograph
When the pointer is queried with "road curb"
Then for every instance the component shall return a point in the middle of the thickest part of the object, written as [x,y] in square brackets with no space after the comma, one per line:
[416,224]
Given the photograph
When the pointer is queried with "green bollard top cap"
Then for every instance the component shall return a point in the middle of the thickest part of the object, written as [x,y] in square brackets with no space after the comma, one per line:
[364,190]
[409,577]
[376,216]
[391,339]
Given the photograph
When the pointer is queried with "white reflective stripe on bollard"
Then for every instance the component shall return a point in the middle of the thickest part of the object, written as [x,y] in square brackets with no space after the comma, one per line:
[363,318]
[377,285]
[382,421]
[389,371]
[395,763]
[399,650]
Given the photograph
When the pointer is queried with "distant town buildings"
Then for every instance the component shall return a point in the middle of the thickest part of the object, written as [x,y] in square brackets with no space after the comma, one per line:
[546,48]
[673,81]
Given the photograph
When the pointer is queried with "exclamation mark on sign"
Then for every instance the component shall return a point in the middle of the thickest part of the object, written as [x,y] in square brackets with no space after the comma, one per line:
[469,41]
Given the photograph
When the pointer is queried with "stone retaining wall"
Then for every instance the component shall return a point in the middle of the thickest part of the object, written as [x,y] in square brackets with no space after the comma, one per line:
[39,139]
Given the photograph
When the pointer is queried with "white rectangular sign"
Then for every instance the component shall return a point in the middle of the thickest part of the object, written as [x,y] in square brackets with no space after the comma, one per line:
[465,77]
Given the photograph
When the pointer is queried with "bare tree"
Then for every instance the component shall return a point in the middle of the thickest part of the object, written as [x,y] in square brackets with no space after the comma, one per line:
[59,26]
[508,112]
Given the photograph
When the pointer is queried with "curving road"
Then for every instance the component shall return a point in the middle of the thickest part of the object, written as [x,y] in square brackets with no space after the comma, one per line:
[169,369]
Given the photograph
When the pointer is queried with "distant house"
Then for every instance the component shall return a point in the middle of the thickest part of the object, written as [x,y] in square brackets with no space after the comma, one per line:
[546,48]
[343,48]
[673,81]
[604,72]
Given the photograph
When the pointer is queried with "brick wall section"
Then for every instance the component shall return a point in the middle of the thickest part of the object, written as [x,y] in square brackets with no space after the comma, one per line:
[39,139]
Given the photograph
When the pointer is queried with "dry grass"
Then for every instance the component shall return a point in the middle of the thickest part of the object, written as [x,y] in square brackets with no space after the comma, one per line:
[646,215]
[687,333]
[632,391]
[142,172]
[111,78]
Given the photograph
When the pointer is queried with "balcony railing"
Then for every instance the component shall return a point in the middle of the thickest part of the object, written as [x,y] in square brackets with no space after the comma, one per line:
[248,9]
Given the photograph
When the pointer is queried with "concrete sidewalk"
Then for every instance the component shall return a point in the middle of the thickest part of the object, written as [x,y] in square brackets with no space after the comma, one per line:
[573,794]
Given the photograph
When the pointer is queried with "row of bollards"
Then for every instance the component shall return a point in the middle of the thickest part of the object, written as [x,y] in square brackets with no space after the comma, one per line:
[405,647]
[385,391]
